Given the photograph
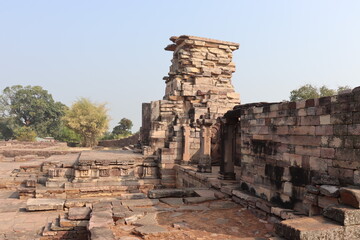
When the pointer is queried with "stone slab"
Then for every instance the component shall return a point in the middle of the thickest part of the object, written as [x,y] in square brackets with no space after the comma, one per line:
[192,208]
[172,201]
[73,223]
[148,219]
[126,196]
[193,200]
[144,209]
[310,228]
[133,216]
[329,190]
[44,204]
[79,213]
[102,206]
[140,202]
[150,229]
[223,205]
[101,233]
[344,215]
[204,193]
[163,193]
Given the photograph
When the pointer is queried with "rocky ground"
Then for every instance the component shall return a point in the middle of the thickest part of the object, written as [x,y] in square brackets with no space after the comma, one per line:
[220,219]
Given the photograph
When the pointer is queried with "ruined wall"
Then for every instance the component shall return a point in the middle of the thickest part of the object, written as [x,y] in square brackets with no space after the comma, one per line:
[198,91]
[132,140]
[290,153]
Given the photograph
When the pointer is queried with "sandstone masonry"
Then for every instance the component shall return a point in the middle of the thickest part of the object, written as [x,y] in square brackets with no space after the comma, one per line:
[178,128]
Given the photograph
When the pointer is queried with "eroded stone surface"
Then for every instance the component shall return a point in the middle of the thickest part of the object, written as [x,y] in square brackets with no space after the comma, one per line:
[350,196]
[101,233]
[166,193]
[79,213]
[190,200]
[43,204]
[140,202]
[172,201]
[310,228]
[343,214]
[150,229]
[328,190]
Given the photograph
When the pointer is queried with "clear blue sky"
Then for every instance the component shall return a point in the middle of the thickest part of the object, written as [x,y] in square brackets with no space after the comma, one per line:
[112,51]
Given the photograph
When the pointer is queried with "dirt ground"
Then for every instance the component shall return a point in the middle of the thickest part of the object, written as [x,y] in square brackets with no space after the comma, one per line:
[225,224]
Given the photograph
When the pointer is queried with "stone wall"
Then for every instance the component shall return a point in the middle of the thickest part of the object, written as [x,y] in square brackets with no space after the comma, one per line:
[198,91]
[132,140]
[297,154]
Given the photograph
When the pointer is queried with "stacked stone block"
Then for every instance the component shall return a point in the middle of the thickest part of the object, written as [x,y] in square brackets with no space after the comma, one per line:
[291,152]
[198,87]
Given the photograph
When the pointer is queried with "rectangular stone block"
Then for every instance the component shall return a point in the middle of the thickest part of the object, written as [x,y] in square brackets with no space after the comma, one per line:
[308,150]
[44,204]
[327,152]
[310,120]
[140,202]
[302,130]
[324,201]
[325,119]
[324,130]
[354,129]
[79,213]
[344,215]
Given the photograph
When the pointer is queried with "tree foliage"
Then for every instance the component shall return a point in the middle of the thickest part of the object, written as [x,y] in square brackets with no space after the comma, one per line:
[31,106]
[87,119]
[68,135]
[123,127]
[25,133]
[309,91]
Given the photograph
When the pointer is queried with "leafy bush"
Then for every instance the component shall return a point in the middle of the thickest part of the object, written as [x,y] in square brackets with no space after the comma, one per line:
[25,134]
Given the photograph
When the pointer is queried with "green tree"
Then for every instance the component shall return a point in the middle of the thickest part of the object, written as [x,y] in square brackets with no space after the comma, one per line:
[7,128]
[87,119]
[25,133]
[123,128]
[32,106]
[309,91]
[68,135]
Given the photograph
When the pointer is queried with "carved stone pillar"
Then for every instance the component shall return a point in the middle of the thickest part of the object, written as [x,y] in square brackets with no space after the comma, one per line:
[186,145]
[204,164]
[228,149]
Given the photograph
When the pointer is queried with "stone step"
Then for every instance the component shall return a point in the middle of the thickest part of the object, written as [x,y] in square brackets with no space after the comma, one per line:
[44,204]
[342,214]
[79,213]
[73,224]
[310,228]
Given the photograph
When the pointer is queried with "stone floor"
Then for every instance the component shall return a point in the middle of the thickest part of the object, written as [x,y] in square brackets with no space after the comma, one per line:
[16,223]
[170,218]
[220,219]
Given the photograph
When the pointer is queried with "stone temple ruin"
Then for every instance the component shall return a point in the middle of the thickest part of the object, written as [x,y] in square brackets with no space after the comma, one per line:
[179,128]
[208,167]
